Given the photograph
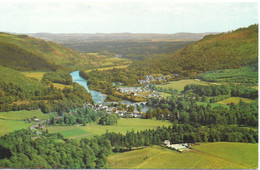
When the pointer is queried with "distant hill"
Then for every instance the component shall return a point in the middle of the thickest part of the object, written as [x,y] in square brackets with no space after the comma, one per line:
[22,52]
[134,46]
[84,37]
[221,51]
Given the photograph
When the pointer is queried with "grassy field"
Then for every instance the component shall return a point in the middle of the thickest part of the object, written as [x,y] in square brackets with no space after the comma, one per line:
[235,100]
[179,85]
[107,68]
[61,86]
[7,126]
[14,120]
[23,114]
[165,94]
[205,156]
[212,104]
[34,74]
[246,74]
[123,126]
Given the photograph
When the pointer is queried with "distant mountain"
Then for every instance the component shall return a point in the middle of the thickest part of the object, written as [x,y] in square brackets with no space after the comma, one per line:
[22,52]
[82,38]
[226,50]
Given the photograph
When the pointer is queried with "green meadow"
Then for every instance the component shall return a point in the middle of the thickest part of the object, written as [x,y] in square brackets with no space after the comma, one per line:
[34,74]
[122,126]
[14,120]
[203,156]
[7,126]
[179,85]
[235,100]
[23,114]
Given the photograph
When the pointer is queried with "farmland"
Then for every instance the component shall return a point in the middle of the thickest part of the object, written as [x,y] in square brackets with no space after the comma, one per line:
[204,156]
[34,74]
[107,68]
[179,85]
[123,126]
[7,126]
[60,86]
[235,100]
[23,114]
[14,120]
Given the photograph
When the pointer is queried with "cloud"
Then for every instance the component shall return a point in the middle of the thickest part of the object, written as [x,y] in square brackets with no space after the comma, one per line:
[124,16]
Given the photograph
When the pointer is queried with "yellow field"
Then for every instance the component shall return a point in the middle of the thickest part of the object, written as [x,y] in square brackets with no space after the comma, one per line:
[220,155]
[165,94]
[61,86]
[179,85]
[37,75]
[235,100]
[255,87]
[107,68]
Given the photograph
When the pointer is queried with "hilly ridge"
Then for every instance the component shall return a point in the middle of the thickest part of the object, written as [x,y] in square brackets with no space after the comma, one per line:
[221,51]
[22,52]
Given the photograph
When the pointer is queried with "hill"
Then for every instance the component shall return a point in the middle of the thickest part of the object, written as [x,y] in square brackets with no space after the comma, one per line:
[8,76]
[221,51]
[22,52]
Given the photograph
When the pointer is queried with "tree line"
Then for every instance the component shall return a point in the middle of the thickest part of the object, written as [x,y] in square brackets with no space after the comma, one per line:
[22,149]
[83,116]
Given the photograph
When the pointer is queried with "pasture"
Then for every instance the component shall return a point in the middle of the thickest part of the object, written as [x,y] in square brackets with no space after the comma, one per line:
[34,74]
[179,85]
[7,126]
[123,126]
[219,155]
[107,68]
[23,114]
[235,100]
[14,120]
[61,86]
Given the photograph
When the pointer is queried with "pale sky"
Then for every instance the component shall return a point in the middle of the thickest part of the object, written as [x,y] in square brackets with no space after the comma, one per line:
[117,16]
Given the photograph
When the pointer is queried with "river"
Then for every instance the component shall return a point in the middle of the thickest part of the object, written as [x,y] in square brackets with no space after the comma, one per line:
[98,97]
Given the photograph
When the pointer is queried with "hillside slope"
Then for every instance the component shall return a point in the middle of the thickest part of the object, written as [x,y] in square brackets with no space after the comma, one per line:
[221,51]
[226,50]
[21,52]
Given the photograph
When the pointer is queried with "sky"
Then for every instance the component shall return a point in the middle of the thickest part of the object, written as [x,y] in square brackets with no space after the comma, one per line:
[118,16]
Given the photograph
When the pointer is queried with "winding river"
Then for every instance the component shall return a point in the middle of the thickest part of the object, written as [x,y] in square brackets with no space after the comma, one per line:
[98,97]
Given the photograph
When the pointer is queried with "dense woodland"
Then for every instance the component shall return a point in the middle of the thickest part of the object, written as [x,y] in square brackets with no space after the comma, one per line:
[184,108]
[22,149]
[82,116]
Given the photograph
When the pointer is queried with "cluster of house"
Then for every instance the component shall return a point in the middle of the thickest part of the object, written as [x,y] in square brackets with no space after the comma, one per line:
[150,78]
[113,110]
[154,95]
[136,90]
[126,90]
[182,147]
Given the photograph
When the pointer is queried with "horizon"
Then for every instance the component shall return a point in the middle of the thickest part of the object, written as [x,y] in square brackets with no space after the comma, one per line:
[136,17]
